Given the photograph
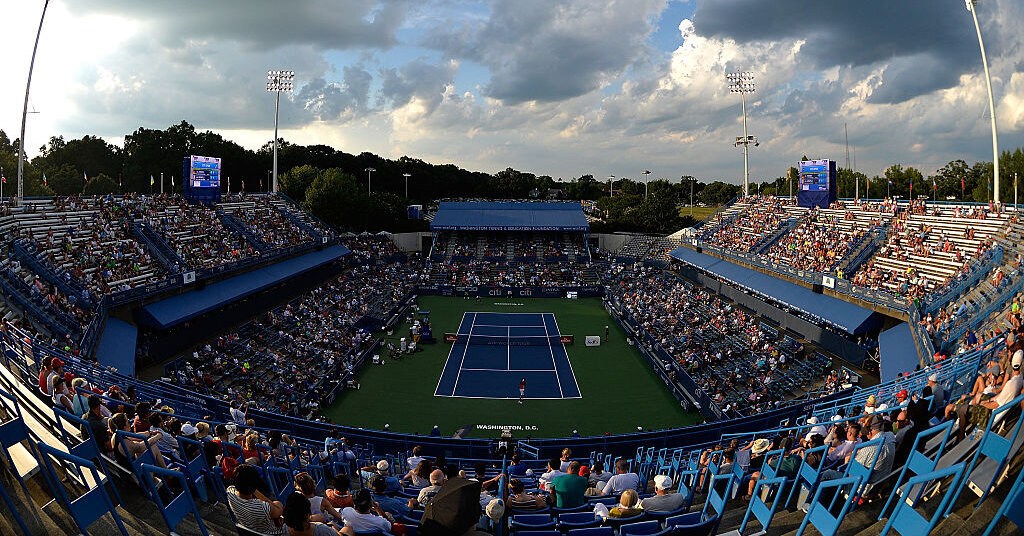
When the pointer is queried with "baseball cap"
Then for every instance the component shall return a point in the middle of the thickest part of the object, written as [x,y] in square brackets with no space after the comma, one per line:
[662,482]
[383,465]
[902,394]
[872,401]
[56,362]
[812,420]
[496,509]
[877,423]
[1018,356]
[584,471]
[933,377]
[188,429]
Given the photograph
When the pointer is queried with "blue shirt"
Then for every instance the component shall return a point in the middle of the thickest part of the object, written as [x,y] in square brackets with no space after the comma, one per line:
[392,505]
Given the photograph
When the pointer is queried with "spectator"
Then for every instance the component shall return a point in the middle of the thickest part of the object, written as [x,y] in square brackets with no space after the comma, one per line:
[865,456]
[417,457]
[298,518]
[320,508]
[383,469]
[569,489]
[437,479]
[520,500]
[390,505]
[365,515]
[553,472]
[665,498]
[565,459]
[598,476]
[419,475]
[339,495]
[623,479]
[136,447]
[251,508]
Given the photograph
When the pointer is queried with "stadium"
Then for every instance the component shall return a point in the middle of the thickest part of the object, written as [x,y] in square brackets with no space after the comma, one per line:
[511,356]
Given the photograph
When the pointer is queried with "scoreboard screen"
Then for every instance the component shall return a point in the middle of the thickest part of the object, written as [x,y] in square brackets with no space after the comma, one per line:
[814,175]
[204,172]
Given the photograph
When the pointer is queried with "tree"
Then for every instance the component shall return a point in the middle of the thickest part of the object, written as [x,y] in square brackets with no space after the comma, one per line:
[100,185]
[335,197]
[296,181]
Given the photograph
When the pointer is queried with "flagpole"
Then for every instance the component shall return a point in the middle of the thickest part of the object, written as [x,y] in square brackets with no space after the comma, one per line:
[161,182]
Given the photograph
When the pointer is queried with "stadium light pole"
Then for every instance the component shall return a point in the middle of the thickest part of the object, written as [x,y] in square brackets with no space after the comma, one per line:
[407,175]
[368,171]
[278,82]
[645,173]
[611,185]
[971,4]
[743,83]
[24,109]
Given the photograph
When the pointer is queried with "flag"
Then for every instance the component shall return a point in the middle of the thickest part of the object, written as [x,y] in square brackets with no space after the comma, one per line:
[934,185]
[890,182]
[243,186]
[84,176]
[911,184]
[963,186]
[44,179]
[172,181]
[119,183]
[3,178]
[261,185]
[151,181]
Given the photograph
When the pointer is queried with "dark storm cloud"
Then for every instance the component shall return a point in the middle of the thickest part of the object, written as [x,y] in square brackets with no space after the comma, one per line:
[927,43]
[543,51]
[262,24]
[417,78]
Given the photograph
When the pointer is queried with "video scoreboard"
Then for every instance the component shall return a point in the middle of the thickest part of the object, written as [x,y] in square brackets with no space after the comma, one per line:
[204,172]
[817,185]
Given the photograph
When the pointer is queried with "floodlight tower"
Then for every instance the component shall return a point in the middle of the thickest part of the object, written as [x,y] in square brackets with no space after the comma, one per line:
[278,82]
[24,110]
[743,83]
[407,175]
[971,4]
[646,173]
[368,171]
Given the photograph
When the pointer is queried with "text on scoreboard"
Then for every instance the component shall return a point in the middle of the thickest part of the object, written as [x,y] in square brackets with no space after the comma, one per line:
[814,175]
[204,171]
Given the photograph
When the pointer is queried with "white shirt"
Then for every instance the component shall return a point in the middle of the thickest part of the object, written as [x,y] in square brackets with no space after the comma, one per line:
[413,461]
[1011,389]
[621,482]
[364,522]
[238,416]
[547,477]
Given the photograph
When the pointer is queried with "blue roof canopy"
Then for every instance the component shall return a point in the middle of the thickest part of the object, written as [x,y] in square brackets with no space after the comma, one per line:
[482,216]
[851,318]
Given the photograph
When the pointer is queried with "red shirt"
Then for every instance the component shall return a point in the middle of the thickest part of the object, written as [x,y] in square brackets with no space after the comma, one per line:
[522,384]
[42,380]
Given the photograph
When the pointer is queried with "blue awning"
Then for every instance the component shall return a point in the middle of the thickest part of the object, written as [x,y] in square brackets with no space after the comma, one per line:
[481,216]
[177,309]
[897,351]
[117,346]
[844,315]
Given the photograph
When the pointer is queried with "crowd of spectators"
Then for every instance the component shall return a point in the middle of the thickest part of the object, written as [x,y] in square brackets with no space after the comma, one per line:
[724,349]
[287,360]
[194,231]
[92,244]
[505,274]
[818,244]
[760,216]
[268,223]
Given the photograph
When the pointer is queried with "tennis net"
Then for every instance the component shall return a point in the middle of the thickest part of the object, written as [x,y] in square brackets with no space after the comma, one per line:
[503,340]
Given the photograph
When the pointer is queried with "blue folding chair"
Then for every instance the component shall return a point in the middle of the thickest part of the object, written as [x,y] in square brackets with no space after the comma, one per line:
[662,516]
[195,468]
[718,494]
[91,505]
[14,432]
[180,506]
[537,533]
[820,515]
[692,524]
[908,521]
[807,476]
[146,457]
[994,447]
[857,469]
[919,463]
[687,486]
[532,522]
[577,520]
[87,448]
[316,472]
[643,528]
[758,507]
[1012,507]
[592,531]
[281,483]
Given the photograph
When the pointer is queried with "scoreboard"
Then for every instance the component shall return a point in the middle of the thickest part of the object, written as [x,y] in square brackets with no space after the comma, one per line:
[817,183]
[814,175]
[204,172]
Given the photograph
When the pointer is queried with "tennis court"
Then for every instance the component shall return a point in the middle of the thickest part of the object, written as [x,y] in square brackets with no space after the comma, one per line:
[494,351]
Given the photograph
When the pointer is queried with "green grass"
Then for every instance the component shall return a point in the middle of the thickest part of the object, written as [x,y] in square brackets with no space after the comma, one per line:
[620,391]
[699,213]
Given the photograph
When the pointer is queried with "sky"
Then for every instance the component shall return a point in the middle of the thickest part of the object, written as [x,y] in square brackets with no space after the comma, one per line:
[553,87]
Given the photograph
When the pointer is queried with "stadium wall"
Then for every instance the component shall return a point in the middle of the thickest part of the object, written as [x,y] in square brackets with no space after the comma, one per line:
[836,344]
[511,292]
[409,242]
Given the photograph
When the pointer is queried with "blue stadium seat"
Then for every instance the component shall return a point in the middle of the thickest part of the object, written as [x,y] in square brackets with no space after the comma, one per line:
[919,462]
[693,524]
[592,531]
[136,463]
[13,432]
[180,505]
[643,528]
[195,468]
[577,520]
[1012,507]
[908,521]
[820,515]
[773,489]
[88,507]
[532,521]
[996,448]
[87,448]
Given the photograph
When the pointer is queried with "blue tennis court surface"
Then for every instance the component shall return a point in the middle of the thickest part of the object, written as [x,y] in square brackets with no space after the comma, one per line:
[494,351]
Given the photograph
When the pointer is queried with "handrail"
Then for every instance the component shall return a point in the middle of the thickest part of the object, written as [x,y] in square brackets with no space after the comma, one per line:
[979,268]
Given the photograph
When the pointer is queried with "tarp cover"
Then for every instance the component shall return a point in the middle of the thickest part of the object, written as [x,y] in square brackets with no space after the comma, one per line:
[117,346]
[177,309]
[897,351]
[849,317]
[485,216]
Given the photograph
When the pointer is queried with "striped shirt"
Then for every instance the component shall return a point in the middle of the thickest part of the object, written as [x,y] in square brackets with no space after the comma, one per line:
[252,513]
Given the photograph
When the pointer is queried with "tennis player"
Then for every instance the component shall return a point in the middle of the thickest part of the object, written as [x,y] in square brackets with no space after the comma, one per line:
[522,389]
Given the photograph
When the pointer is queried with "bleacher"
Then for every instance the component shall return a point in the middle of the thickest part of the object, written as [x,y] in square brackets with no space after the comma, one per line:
[750,223]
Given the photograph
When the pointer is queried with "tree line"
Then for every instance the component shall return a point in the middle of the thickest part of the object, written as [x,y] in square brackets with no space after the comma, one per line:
[334,185]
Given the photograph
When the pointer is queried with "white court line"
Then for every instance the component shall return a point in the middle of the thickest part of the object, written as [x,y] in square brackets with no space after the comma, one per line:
[508,351]
[463,360]
[552,350]
[508,397]
[571,371]
[507,370]
[450,352]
